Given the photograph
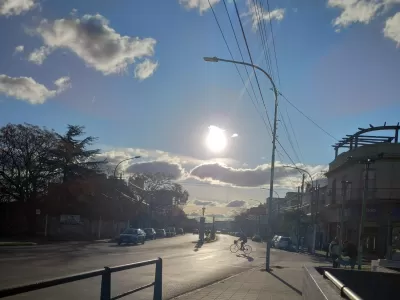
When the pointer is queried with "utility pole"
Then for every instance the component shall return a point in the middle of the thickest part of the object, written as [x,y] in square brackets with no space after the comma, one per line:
[363,208]
[302,189]
[298,219]
[314,202]
[344,194]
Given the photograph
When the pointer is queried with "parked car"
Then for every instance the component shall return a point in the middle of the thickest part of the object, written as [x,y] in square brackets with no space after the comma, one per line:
[256,238]
[160,233]
[283,242]
[150,233]
[195,231]
[180,231]
[274,240]
[132,236]
[172,231]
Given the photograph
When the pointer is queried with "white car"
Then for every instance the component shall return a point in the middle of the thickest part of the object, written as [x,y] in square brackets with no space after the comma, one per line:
[282,242]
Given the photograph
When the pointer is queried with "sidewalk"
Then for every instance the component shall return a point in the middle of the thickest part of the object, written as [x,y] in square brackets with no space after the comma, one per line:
[256,284]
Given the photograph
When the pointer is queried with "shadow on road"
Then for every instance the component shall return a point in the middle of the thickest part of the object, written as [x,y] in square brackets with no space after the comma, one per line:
[198,245]
[283,281]
[123,245]
[249,258]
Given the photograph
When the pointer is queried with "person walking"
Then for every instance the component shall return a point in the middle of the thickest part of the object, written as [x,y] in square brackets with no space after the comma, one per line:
[350,250]
[334,250]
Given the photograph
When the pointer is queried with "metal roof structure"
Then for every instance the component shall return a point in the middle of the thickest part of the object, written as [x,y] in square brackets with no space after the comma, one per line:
[361,138]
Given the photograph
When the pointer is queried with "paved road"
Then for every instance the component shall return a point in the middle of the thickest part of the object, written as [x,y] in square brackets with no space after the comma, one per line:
[185,267]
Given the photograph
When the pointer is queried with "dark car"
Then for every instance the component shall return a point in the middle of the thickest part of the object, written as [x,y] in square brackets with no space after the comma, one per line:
[150,233]
[160,233]
[180,231]
[132,236]
[195,231]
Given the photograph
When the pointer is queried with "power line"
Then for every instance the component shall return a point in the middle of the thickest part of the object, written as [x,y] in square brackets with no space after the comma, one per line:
[289,137]
[237,43]
[263,37]
[308,118]
[251,60]
[273,42]
[294,134]
[237,69]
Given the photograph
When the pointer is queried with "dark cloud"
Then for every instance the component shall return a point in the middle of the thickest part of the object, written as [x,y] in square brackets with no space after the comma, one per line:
[203,203]
[152,167]
[236,203]
[240,177]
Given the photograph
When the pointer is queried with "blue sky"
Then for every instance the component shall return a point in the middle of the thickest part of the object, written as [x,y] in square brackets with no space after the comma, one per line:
[133,74]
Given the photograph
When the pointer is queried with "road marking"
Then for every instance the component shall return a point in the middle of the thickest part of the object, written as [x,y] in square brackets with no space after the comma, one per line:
[206,257]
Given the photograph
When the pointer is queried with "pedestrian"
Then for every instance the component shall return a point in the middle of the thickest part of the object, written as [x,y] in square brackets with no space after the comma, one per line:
[334,250]
[350,250]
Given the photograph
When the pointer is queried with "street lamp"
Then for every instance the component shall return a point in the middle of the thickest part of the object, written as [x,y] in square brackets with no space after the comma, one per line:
[302,170]
[271,185]
[116,167]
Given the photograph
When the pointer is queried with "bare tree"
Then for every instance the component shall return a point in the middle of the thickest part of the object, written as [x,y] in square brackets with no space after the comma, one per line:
[24,169]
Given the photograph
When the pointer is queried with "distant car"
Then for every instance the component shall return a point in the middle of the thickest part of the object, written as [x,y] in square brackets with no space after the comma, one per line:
[195,231]
[256,238]
[274,240]
[160,233]
[170,232]
[180,231]
[150,233]
[132,236]
[283,242]
[237,234]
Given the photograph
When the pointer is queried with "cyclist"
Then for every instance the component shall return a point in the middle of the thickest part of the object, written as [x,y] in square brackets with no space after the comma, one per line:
[242,238]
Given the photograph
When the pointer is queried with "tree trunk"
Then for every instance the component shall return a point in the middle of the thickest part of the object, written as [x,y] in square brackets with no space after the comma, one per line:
[30,215]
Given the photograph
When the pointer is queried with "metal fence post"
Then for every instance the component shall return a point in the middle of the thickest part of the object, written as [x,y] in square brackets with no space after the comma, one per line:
[105,293]
[158,281]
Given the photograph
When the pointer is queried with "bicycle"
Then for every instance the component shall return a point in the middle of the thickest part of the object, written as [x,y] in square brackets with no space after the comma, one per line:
[235,247]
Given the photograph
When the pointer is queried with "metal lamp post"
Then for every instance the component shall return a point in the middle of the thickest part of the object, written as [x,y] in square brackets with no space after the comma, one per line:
[116,167]
[271,185]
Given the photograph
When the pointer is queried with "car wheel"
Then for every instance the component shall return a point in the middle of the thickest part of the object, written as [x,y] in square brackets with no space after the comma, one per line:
[143,240]
[119,243]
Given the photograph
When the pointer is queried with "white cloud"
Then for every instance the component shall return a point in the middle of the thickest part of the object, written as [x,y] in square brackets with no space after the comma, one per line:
[259,14]
[27,89]
[93,40]
[392,28]
[15,7]
[355,11]
[39,55]
[19,49]
[145,69]
[201,5]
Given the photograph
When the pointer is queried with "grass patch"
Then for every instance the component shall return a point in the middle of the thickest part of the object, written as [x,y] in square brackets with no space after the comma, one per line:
[8,244]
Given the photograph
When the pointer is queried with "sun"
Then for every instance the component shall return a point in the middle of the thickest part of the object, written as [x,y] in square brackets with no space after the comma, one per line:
[216,140]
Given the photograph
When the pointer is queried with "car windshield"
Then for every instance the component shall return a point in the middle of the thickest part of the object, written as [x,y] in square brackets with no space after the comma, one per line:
[130,231]
[285,239]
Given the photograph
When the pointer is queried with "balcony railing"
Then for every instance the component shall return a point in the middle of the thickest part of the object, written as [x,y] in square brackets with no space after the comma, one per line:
[374,194]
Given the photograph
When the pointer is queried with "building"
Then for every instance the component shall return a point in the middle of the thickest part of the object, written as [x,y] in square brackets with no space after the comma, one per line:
[369,170]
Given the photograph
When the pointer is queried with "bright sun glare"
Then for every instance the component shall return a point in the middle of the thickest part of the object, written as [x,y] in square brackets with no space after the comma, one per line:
[216,139]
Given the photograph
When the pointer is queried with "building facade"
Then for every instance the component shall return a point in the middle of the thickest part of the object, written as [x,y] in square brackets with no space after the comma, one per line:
[368,170]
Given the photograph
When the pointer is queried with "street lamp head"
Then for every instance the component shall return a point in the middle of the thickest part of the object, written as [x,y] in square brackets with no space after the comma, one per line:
[211,59]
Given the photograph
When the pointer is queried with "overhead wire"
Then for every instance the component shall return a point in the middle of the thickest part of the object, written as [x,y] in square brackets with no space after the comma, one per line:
[251,60]
[273,42]
[237,69]
[308,118]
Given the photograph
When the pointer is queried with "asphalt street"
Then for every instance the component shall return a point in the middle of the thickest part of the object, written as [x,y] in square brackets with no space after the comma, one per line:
[185,267]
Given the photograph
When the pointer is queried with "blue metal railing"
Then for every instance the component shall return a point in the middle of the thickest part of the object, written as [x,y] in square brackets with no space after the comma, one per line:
[105,274]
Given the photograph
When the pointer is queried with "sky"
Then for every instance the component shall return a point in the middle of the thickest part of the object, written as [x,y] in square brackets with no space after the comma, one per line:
[132,72]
